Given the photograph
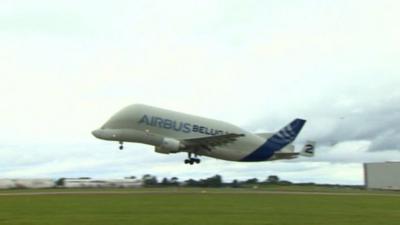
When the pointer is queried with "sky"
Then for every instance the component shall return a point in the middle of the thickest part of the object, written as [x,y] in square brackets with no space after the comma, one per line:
[67,66]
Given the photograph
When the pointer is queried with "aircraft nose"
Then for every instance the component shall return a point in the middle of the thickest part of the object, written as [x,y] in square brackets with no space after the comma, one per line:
[105,134]
[97,133]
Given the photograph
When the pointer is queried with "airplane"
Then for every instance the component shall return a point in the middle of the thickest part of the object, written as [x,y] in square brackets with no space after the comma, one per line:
[173,132]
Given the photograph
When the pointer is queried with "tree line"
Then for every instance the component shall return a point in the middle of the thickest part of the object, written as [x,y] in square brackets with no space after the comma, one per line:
[214,181]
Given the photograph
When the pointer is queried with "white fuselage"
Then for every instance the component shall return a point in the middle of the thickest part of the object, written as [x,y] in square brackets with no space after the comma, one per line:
[151,125]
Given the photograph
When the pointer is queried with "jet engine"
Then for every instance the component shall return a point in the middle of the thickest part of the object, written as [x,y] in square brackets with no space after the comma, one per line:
[169,145]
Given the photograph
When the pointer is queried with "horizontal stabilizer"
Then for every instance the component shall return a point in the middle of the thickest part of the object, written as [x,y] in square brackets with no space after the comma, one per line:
[265,135]
[308,149]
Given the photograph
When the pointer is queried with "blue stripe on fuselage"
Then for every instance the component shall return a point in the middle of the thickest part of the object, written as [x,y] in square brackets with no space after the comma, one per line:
[263,153]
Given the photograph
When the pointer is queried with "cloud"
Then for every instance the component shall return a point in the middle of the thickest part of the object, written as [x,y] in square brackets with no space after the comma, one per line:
[67,67]
[375,119]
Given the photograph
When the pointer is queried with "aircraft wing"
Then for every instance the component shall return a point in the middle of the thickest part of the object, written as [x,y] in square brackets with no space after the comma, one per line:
[211,141]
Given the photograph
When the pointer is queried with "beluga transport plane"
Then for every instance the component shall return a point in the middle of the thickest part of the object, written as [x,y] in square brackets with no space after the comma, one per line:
[173,132]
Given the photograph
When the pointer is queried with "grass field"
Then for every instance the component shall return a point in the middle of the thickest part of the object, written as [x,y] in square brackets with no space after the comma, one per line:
[175,207]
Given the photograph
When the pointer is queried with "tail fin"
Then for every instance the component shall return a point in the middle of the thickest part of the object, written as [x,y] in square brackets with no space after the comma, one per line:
[308,149]
[276,142]
[287,134]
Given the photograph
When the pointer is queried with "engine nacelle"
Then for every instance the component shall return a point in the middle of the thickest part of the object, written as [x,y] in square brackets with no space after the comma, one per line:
[169,145]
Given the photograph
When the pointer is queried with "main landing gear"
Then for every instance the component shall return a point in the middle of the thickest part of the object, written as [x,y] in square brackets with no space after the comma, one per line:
[191,160]
[121,145]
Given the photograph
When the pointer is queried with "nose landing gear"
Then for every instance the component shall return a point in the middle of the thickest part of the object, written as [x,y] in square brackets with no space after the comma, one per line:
[121,145]
[191,160]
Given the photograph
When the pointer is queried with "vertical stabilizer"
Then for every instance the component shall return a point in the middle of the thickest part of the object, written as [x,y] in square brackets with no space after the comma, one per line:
[277,141]
[287,134]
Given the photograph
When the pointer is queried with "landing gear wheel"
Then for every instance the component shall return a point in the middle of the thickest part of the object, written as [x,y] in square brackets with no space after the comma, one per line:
[121,146]
[191,160]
